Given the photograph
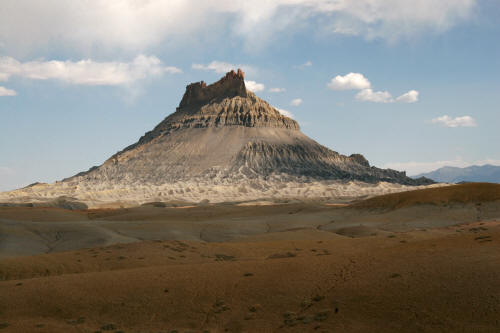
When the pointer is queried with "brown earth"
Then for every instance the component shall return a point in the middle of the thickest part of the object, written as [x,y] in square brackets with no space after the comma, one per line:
[303,267]
[463,193]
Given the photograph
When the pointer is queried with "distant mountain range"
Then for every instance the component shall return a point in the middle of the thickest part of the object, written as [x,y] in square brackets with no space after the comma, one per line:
[484,173]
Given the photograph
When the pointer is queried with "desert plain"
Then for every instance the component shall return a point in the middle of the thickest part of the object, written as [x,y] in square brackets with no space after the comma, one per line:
[418,261]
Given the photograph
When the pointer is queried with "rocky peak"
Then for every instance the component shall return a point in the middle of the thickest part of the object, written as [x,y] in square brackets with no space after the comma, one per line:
[231,85]
[223,103]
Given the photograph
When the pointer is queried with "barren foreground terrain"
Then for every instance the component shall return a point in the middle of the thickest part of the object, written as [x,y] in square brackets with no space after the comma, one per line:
[422,261]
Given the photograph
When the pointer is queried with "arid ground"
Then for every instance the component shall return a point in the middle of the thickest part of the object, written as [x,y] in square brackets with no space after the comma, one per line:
[421,261]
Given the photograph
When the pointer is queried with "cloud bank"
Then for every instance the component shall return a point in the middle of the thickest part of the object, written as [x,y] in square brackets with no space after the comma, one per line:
[86,72]
[7,92]
[447,121]
[27,25]
[296,102]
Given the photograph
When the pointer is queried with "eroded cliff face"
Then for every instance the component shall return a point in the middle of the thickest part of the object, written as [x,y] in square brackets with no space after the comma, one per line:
[311,160]
[248,111]
[231,85]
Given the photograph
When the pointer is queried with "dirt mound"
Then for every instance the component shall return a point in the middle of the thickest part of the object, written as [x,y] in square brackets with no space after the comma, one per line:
[464,193]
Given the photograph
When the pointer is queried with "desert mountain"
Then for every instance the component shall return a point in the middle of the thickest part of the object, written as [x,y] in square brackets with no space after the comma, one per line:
[475,173]
[222,143]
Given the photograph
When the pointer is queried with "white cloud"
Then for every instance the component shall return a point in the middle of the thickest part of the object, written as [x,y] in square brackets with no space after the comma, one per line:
[277,90]
[87,72]
[414,168]
[254,86]
[296,102]
[7,92]
[357,81]
[368,95]
[409,97]
[27,25]
[351,81]
[308,63]
[447,121]
[286,113]
[221,67]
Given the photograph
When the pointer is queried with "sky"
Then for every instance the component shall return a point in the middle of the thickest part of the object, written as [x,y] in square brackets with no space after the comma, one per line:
[411,84]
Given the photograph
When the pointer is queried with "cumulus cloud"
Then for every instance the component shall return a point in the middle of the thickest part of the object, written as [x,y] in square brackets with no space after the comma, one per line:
[296,102]
[286,113]
[221,67]
[277,90]
[357,81]
[447,121]
[254,86]
[368,95]
[351,81]
[414,168]
[409,97]
[130,24]
[7,92]
[87,72]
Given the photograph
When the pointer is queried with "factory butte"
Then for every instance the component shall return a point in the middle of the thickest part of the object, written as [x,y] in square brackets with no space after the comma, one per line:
[222,143]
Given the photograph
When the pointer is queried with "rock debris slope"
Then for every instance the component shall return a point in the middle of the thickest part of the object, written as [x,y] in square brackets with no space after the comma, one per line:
[222,143]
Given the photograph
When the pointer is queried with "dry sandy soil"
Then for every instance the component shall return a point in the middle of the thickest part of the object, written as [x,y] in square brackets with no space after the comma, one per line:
[422,261]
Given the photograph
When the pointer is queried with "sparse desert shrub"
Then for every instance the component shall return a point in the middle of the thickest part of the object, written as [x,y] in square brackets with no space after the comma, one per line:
[282,255]
[108,327]
[318,298]
[322,315]
[224,257]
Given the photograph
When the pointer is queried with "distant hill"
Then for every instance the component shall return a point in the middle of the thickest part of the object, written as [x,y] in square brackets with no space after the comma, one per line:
[485,173]
[462,193]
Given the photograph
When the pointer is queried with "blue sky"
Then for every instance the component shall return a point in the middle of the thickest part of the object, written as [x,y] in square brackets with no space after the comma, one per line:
[81,80]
